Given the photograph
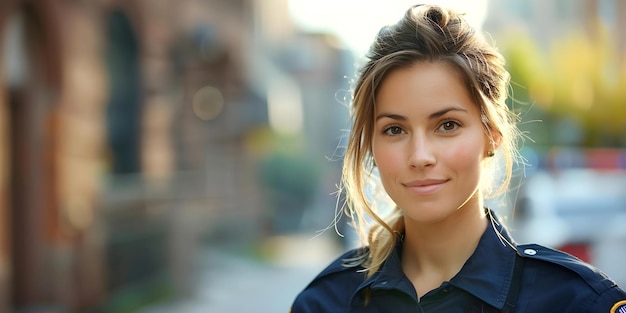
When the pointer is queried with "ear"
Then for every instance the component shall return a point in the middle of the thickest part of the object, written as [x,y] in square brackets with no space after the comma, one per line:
[493,143]
[496,139]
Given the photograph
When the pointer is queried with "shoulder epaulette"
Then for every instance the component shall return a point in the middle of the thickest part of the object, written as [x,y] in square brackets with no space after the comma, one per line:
[590,274]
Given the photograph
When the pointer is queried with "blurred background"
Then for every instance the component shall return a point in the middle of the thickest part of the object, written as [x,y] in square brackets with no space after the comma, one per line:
[183,156]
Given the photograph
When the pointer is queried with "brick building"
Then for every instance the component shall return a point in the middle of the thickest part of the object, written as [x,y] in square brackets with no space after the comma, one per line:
[106,112]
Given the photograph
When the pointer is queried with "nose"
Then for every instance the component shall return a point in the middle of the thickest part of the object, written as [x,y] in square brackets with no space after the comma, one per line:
[421,152]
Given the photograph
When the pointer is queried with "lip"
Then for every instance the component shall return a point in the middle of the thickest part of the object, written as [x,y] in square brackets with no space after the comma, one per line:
[425,186]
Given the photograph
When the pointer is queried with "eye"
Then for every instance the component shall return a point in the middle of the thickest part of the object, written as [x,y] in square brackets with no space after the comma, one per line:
[393,130]
[448,126]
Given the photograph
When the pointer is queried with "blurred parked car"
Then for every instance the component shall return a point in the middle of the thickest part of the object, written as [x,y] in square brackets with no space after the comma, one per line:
[579,211]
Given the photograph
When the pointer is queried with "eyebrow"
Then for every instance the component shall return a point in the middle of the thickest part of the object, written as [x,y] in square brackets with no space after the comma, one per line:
[431,116]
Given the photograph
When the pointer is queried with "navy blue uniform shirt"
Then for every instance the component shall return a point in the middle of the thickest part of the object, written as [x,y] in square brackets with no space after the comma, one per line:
[550,281]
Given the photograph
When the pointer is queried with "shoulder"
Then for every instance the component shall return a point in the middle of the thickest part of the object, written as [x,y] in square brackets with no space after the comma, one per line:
[551,259]
[558,275]
[333,287]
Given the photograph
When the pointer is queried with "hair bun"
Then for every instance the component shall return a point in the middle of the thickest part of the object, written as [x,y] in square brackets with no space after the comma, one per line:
[434,14]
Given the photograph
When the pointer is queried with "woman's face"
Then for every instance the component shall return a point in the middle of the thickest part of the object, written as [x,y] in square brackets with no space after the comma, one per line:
[429,141]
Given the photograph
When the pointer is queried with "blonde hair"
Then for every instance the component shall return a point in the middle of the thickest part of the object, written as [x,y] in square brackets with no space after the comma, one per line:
[426,33]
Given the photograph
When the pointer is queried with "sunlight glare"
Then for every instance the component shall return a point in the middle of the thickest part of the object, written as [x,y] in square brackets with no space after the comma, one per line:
[356,22]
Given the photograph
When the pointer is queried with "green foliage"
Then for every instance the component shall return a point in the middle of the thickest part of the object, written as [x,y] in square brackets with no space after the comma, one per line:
[292,174]
[574,81]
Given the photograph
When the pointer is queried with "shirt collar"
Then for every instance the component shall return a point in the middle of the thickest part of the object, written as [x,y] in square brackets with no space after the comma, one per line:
[487,274]
[390,275]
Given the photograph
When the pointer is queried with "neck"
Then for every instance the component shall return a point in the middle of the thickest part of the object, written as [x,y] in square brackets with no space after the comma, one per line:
[433,253]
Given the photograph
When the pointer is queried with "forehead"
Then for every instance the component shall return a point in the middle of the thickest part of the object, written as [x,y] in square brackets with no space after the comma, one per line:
[423,85]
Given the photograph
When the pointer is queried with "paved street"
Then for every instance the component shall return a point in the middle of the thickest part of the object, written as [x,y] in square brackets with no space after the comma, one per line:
[228,283]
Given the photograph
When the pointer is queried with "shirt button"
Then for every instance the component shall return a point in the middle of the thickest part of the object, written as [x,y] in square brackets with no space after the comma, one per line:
[530,251]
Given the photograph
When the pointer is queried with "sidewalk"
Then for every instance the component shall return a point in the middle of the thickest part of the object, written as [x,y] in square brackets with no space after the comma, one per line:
[227,283]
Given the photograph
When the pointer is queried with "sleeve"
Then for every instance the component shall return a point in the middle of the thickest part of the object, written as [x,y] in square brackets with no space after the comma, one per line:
[331,290]
[613,300]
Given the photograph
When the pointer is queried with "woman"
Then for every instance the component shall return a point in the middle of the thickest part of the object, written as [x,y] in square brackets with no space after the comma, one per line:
[429,114]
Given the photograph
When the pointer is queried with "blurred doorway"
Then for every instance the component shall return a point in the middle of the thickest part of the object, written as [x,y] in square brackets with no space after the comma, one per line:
[135,238]
[124,107]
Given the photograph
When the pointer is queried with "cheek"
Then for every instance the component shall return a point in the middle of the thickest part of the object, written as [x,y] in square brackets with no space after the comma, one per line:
[386,157]
[465,154]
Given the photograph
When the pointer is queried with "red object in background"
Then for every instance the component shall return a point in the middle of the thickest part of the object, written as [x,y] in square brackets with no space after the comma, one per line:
[605,159]
[579,250]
